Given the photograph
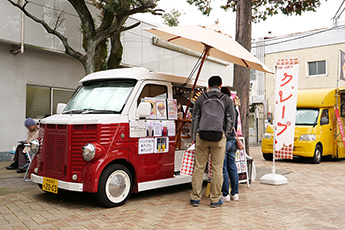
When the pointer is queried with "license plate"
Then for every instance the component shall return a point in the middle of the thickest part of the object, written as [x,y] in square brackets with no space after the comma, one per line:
[50,185]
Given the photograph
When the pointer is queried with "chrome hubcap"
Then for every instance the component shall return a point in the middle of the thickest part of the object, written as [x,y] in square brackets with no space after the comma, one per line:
[318,154]
[118,186]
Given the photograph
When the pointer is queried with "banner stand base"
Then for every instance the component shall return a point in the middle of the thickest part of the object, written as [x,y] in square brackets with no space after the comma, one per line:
[273,179]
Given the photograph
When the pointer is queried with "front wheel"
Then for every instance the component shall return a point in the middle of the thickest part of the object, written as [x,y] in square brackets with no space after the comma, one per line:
[317,155]
[115,186]
[267,156]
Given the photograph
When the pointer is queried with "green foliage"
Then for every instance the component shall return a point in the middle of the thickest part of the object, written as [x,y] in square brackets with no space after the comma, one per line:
[203,5]
[121,7]
[262,9]
[172,18]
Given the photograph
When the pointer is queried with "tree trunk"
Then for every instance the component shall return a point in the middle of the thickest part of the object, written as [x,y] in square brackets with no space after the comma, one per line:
[95,58]
[242,74]
[116,52]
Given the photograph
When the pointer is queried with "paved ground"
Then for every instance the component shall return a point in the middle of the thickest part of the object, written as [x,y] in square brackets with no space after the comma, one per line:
[314,198]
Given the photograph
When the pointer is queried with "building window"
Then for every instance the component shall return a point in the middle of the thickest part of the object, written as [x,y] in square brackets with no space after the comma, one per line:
[37,101]
[252,75]
[317,68]
[42,101]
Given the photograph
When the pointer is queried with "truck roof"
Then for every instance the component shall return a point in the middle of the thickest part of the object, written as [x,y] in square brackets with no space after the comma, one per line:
[317,98]
[139,73]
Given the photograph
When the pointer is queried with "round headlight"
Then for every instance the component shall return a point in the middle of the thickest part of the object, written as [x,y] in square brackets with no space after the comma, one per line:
[35,146]
[89,152]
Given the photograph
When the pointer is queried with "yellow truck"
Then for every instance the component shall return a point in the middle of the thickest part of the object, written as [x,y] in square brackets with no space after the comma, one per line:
[317,133]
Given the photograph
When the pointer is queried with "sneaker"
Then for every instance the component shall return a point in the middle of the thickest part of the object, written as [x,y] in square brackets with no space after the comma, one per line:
[235,197]
[218,204]
[225,198]
[24,167]
[195,203]
[12,166]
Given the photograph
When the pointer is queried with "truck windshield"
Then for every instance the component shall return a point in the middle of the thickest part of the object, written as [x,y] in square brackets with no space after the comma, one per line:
[306,116]
[101,97]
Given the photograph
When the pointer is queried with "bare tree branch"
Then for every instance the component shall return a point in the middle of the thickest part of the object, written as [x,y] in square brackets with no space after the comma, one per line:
[59,20]
[68,49]
[130,27]
[108,17]
[101,35]
[87,22]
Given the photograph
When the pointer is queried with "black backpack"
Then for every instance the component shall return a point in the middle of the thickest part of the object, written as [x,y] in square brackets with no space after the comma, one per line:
[212,118]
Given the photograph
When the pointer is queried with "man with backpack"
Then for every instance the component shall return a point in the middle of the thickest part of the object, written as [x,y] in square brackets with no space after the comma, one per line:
[213,116]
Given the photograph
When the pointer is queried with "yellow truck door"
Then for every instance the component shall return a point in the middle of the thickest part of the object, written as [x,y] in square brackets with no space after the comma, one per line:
[326,133]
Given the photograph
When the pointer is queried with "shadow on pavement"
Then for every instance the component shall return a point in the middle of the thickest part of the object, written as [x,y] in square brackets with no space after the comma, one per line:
[80,200]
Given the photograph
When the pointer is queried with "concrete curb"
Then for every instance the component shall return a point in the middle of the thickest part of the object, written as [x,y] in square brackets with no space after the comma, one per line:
[6,156]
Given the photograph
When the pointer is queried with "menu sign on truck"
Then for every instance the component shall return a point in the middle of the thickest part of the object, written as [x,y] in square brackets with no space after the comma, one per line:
[285,106]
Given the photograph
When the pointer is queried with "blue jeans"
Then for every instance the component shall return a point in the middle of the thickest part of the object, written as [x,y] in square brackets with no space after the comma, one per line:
[230,169]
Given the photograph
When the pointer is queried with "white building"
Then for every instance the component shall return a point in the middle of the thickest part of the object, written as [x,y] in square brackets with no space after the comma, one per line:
[33,83]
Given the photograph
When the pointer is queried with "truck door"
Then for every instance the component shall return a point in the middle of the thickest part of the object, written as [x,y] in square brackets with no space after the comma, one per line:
[157,161]
[326,133]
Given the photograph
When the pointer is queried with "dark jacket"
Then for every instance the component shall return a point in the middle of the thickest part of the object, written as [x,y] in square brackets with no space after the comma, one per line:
[229,115]
[232,135]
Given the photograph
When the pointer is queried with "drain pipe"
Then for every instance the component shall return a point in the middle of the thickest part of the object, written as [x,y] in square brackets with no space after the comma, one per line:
[22,31]
[21,49]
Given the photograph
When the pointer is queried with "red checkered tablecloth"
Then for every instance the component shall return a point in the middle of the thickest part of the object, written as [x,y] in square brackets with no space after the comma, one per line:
[286,152]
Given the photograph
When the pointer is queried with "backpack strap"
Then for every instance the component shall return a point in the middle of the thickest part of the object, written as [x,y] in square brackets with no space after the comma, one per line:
[206,96]
[222,96]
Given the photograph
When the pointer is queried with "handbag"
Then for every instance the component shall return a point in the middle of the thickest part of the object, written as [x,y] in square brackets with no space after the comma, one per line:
[239,143]
[187,167]
[188,163]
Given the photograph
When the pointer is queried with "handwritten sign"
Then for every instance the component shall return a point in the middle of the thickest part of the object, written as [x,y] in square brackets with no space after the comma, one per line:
[137,129]
[285,106]
[146,145]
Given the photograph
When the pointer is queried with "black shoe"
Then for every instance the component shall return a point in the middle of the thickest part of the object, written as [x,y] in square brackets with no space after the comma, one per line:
[24,167]
[21,171]
[12,166]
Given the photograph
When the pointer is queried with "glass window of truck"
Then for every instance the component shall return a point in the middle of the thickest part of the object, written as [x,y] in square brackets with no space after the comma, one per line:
[101,97]
[306,116]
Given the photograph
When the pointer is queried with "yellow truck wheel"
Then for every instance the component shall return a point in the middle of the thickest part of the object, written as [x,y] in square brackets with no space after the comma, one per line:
[267,156]
[317,155]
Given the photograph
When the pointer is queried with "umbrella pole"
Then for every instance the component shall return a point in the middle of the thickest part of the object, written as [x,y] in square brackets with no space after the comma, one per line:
[207,50]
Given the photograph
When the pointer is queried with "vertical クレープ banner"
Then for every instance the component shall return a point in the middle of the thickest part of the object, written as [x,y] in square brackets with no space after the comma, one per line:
[286,86]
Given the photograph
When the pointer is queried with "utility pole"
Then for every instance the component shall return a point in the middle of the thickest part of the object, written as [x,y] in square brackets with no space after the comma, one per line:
[338,14]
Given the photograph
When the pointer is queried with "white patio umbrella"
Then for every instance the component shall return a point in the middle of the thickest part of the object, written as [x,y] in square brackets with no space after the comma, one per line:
[210,41]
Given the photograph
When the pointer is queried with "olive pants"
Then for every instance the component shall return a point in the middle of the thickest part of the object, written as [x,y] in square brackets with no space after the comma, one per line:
[202,151]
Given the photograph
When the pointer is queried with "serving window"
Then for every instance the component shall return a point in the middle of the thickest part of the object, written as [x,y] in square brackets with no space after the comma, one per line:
[184,126]
[153,91]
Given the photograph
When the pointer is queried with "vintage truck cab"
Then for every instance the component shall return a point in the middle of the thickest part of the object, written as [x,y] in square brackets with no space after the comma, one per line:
[116,136]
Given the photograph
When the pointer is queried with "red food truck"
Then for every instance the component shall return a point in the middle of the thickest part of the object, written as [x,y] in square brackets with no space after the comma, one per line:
[116,136]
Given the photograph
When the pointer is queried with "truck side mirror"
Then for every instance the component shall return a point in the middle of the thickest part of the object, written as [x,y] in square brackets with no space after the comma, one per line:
[60,107]
[144,110]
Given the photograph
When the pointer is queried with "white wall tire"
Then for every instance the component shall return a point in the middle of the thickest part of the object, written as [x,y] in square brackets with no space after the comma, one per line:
[115,186]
